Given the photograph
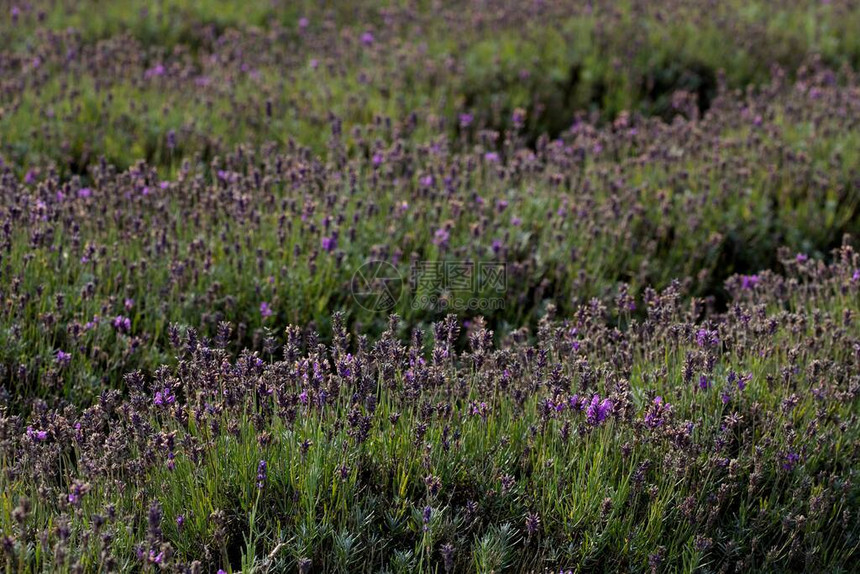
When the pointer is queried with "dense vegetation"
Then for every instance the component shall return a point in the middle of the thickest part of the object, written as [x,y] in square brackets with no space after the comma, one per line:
[667,379]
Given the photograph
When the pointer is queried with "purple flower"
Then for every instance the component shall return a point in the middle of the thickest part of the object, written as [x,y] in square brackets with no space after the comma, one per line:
[77,492]
[85,192]
[63,358]
[262,473]
[265,310]
[121,324]
[802,257]
[706,337]
[37,435]
[518,118]
[704,383]
[598,410]
[790,460]
[155,558]
[426,517]
[164,397]
[491,157]
[466,120]
[367,38]
[441,237]
[329,244]
[155,71]
[657,412]
[180,521]
[748,281]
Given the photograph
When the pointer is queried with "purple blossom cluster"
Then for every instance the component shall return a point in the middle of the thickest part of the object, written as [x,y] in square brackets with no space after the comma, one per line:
[263,236]
[483,436]
[667,194]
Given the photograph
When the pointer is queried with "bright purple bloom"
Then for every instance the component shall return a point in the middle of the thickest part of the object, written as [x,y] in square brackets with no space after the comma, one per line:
[657,413]
[265,310]
[748,281]
[164,397]
[329,244]
[37,435]
[367,38]
[155,558]
[85,192]
[63,358]
[155,71]
[121,324]
[598,410]
[706,337]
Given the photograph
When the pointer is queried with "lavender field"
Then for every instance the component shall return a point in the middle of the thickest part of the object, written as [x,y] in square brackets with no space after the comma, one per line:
[424,286]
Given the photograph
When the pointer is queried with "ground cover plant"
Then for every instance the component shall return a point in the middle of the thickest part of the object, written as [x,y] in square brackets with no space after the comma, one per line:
[195,375]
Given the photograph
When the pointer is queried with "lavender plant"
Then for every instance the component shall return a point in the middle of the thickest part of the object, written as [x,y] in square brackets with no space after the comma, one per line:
[218,353]
[591,447]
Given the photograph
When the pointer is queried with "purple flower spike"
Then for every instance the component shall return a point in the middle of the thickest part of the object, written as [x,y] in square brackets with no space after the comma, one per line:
[265,310]
[63,358]
[598,410]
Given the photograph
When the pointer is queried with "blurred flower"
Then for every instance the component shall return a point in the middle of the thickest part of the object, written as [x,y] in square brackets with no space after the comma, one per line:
[63,358]
[265,310]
